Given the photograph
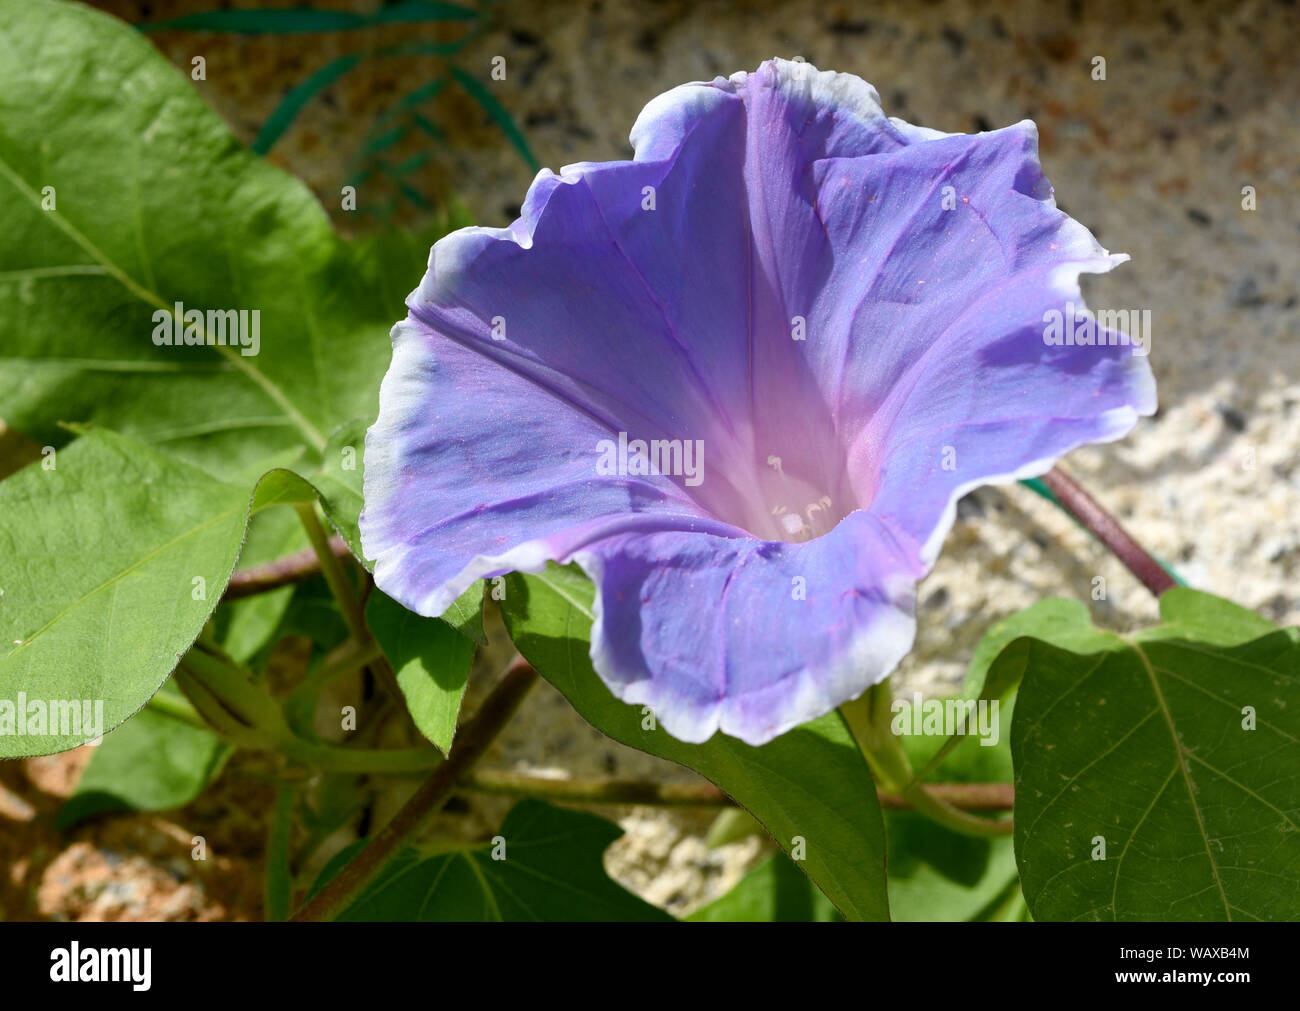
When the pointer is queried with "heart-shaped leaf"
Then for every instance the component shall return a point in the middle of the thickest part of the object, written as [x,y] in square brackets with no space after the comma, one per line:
[1158,776]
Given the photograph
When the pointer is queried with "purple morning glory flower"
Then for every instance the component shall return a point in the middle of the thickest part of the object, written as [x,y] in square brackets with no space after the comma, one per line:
[742,381]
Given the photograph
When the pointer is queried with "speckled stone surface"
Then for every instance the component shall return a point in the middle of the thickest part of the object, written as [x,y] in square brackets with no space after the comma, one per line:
[1199,100]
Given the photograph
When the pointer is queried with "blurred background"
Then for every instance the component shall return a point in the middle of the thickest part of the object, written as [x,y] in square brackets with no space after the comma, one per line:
[1180,148]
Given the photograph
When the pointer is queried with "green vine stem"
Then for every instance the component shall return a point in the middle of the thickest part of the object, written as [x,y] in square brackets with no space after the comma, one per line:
[331,567]
[336,579]
[868,719]
[376,761]
[939,810]
[219,714]
[647,793]
[405,828]
[177,709]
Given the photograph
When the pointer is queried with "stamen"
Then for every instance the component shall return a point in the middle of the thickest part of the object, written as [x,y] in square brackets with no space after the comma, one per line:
[800,526]
[821,505]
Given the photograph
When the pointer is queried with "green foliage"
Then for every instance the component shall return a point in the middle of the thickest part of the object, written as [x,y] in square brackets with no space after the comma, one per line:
[115,558]
[278,893]
[296,20]
[130,206]
[1177,747]
[773,892]
[246,627]
[431,660]
[153,762]
[544,865]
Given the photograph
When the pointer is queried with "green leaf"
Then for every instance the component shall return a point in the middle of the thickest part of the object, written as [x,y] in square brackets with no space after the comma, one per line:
[731,824]
[115,559]
[809,784]
[282,487]
[152,762]
[773,892]
[432,662]
[547,868]
[466,613]
[126,195]
[1064,621]
[313,613]
[936,874]
[1191,614]
[1145,742]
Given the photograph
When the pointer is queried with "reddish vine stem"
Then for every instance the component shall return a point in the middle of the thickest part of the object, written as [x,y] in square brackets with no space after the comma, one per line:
[966,796]
[1107,529]
[295,568]
[404,829]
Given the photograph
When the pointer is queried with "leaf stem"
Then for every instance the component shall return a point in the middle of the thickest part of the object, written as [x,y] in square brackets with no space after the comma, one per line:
[405,827]
[217,712]
[940,810]
[964,796]
[331,567]
[241,700]
[242,712]
[177,709]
